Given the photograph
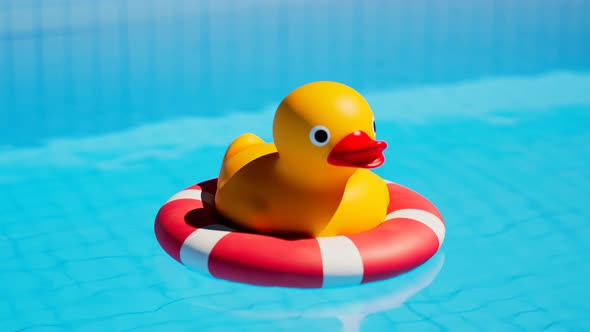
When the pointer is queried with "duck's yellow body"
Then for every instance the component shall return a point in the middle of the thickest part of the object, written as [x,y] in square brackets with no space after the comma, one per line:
[313,181]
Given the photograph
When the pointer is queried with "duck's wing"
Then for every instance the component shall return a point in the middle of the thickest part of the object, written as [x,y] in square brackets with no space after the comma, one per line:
[241,151]
[363,205]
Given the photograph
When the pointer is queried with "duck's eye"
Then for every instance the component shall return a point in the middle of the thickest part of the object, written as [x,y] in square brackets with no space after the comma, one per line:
[319,135]
[374,127]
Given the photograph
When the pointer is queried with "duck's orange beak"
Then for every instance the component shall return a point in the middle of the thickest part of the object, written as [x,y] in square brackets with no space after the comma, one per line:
[358,150]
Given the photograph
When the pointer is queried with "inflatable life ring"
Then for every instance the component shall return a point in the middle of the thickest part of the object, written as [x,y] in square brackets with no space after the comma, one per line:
[189,230]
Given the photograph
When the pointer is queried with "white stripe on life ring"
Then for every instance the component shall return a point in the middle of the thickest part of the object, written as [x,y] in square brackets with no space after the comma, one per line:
[425,217]
[195,250]
[341,261]
[195,194]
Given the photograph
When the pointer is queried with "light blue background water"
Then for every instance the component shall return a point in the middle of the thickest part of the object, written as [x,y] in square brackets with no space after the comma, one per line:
[107,108]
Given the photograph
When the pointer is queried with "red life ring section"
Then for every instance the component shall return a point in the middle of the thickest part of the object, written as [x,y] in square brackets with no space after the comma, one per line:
[188,229]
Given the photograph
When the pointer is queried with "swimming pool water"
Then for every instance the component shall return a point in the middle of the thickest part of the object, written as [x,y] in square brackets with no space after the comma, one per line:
[107,108]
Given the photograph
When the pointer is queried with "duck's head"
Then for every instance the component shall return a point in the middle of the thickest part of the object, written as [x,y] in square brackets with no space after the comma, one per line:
[325,131]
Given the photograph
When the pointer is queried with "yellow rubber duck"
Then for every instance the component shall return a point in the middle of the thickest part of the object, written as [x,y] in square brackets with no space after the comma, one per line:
[314,180]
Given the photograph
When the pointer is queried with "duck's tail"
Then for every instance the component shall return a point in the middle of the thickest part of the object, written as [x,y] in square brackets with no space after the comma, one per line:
[240,152]
[240,144]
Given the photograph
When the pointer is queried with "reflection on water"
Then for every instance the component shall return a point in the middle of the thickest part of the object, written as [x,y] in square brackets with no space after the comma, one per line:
[350,305]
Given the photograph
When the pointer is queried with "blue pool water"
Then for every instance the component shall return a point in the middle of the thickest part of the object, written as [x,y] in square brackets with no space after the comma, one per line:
[107,108]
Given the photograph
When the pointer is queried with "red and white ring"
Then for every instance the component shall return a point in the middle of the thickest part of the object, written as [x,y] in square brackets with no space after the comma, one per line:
[188,230]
